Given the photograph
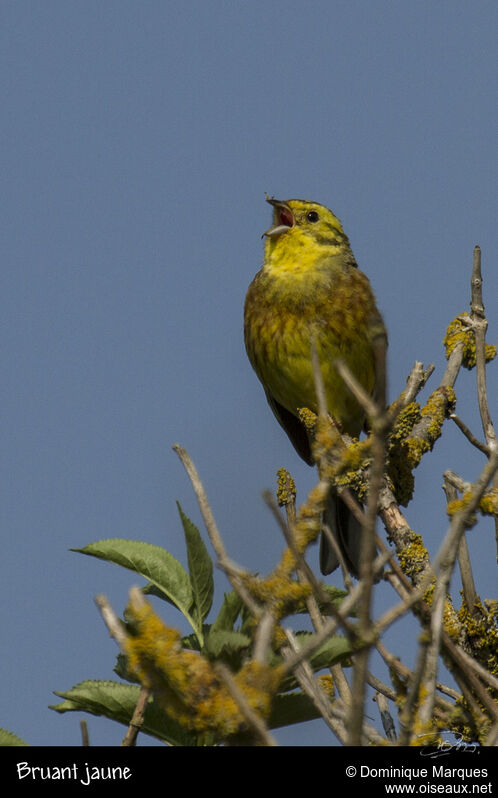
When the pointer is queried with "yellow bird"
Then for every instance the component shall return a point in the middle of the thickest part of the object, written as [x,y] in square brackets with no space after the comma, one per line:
[310,287]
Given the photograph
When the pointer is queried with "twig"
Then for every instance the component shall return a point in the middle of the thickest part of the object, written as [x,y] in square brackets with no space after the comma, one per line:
[233,571]
[453,367]
[406,674]
[380,687]
[385,716]
[304,675]
[450,543]
[334,713]
[306,572]
[479,325]
[321,398]
[117,631]
[262,638]
[410,705]
[111,620]
[478,669]
[332,540]
[380,422]
[464,671]
[466,575]
[85,740]
[430,652]
[461,519]
[203,502]
[287,531]
[469,435]
[252,718]
[350,500]
[306,575]
[463,666]
[137,721]
[415,381]
[330,624]
[365,400]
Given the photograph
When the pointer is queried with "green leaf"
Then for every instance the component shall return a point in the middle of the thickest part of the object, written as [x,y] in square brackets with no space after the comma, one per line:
[335,595]
[229,612]
[8,738]
[330,595]
[192,641]
[117,702]
[152,590]
[152,562]
[225,642]
[291,708]
[335,649]
[121,669]
[200,568]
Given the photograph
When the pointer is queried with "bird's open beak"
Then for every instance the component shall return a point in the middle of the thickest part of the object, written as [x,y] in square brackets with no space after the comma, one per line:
[283,218]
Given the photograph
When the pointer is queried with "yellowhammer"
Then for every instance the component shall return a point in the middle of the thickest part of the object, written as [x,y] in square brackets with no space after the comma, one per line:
[311,288]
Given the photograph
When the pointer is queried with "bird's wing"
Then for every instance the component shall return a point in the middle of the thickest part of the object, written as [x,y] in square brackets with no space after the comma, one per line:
[294,429]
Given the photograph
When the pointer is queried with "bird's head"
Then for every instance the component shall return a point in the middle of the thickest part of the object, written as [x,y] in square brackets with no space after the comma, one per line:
[299,218]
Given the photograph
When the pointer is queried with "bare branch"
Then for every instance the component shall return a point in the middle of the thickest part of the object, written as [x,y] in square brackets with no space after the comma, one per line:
[479,325]
[252,718]
[85,739]
[453,367]
[263,637]
[364,399]
[233,571]
[469,435]
[137,721]
[114,624]
[385,716]
[305,677]
[466,574]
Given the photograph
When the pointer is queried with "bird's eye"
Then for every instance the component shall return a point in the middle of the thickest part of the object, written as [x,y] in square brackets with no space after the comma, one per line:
[312,216]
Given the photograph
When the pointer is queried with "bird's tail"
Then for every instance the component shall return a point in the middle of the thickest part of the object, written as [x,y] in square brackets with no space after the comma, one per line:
[346,531]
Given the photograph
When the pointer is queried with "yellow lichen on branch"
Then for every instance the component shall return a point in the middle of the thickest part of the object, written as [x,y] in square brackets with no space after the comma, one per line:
[186,685]
[286,488]
[414,434]
[414,556]
[278,591]
[488,504]
[481,628]
[459,332]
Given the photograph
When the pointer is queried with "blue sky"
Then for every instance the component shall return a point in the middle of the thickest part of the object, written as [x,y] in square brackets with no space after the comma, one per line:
[138,141]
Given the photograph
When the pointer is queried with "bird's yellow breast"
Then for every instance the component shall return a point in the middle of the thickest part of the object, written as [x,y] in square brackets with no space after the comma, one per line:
[293,299]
